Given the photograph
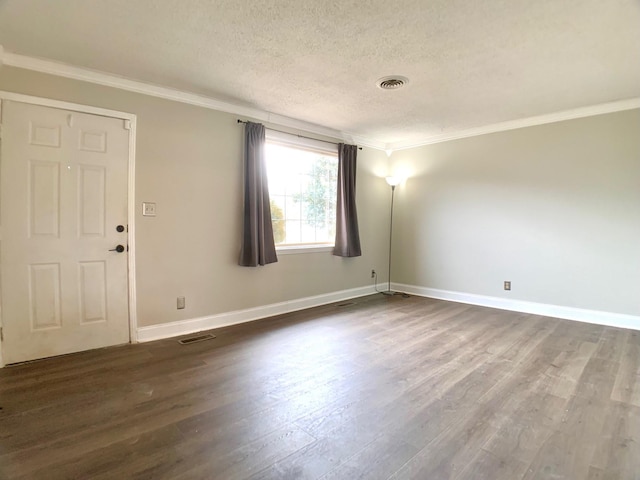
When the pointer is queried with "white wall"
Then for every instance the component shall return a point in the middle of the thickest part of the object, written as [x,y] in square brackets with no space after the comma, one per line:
[189,161]
[554,208]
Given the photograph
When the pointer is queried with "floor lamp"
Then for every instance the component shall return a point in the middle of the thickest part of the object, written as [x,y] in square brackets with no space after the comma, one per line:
[393,182]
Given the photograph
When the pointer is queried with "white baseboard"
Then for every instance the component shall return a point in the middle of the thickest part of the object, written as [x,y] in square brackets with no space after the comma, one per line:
[556,311]
[193,325]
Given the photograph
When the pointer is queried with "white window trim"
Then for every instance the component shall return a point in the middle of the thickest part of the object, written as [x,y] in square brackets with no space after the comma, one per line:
[293,140]
[298,249]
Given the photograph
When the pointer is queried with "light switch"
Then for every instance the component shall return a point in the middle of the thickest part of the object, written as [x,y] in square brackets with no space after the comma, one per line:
[149,209]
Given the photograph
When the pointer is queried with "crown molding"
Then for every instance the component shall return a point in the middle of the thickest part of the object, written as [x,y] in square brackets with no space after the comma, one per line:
[610,107]
[122,83]
[365,141]
[92,76]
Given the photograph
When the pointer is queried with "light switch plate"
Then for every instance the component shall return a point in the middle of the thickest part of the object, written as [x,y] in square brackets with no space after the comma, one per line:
[148,209]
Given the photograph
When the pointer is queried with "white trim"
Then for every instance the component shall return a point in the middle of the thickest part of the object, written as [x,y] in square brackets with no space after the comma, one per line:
[296,249]
[1,324]
[361,141]
[76,107]
[610,319]
[193,325]
[115,81]
[590,111]
[131,201]
[131,230]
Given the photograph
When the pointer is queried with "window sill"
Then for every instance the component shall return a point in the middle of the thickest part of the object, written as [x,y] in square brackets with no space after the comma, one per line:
[296,249]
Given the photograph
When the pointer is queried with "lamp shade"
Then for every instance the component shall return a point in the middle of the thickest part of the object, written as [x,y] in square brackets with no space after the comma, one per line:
[393,181]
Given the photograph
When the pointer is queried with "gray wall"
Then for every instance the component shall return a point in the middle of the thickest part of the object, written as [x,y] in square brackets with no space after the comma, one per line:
[189,161]
[554,208]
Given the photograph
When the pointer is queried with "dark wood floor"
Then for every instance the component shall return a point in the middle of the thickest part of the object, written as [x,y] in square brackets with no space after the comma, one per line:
[382,388]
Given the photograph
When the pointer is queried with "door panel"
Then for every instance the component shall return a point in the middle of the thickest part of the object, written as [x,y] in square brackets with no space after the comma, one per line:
[93,292]
[44,296]
[43,198]
[92,208]
[63,185]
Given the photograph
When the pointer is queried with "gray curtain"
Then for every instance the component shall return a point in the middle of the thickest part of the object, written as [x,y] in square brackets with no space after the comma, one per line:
[258,246]
[347,236]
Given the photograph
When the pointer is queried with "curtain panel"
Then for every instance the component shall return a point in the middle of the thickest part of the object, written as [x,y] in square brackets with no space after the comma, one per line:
[347,235]
[258,246]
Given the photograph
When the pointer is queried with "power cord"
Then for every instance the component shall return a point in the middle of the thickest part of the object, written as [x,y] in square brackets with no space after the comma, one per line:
[375,286]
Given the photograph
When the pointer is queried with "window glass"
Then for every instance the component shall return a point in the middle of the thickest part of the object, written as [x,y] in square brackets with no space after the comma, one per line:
[303,191]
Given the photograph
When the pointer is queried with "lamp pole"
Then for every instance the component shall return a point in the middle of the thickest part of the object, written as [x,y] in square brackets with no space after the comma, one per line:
[389,292]
[392,181]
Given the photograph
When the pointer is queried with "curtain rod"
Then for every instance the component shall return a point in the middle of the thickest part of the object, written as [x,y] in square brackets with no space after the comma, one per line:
[296,135]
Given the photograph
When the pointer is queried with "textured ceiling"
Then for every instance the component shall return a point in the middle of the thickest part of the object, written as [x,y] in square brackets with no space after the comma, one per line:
[470,63]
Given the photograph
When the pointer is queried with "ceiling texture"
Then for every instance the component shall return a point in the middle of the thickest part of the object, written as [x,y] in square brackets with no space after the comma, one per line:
[469,63]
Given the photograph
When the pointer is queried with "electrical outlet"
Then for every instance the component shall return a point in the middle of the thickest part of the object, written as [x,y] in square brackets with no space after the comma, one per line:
[148,209]
[507,285]
[373,273]
[180,302]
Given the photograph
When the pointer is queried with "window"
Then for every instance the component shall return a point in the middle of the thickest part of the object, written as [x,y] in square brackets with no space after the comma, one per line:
[303,190]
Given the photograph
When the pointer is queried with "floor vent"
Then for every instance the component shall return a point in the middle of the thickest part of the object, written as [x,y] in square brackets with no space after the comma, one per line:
[197,338]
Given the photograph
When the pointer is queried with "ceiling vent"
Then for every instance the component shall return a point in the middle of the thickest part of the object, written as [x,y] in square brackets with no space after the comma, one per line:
[392,82]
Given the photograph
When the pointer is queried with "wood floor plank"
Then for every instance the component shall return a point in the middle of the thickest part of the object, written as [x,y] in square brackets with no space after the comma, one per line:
[113,459]
[570,448]
[522,426]
[251,458]
[611,343]
[615,454]
[626,388]
[390,386]
[487,466]
[376,461]
[567,368]
[330,450]
[373,388]
[452,441]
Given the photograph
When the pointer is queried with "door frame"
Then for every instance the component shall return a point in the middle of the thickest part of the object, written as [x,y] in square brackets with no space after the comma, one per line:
[130,118]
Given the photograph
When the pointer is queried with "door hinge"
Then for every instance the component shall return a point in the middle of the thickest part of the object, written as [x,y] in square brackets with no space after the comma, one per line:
[127,124]
[1,335]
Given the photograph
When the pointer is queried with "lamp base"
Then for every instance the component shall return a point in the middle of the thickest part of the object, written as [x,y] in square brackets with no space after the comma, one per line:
[391,293]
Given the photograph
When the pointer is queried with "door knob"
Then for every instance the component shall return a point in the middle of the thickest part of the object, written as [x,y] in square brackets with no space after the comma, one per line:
[120,228]
[118,249]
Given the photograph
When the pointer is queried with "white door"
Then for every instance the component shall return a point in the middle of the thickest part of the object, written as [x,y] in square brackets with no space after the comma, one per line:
[63,185]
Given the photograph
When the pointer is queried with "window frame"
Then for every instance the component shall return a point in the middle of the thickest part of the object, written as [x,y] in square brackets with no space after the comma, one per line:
[317,146]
